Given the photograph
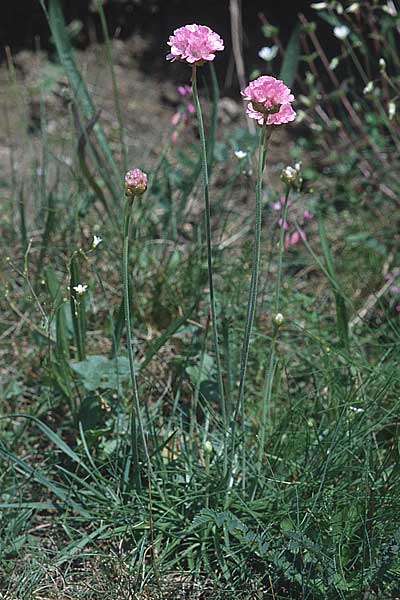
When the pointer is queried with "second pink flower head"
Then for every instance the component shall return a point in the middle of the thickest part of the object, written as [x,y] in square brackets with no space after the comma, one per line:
[270,101]
[194,44]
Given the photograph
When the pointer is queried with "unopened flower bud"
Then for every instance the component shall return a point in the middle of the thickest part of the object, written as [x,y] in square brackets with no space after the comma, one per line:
[208,447]
[279,319]
[289,176]
[368,88]
[353,8]
[391,109]
[382,65]
[135,182]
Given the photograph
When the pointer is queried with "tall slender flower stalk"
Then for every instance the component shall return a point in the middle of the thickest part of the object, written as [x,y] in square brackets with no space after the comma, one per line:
[252,300]
[135,185]
[214,325]
[196,45]
[270,104]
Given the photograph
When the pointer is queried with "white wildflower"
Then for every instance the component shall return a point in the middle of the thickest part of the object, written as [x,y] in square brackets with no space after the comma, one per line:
[390,8]
[368,88]
[319,5]
[96,241]
[334,63]
[353,8]
[356,409]
[80,288]
[341,32]
[240,154]
[391,109]
[268,53]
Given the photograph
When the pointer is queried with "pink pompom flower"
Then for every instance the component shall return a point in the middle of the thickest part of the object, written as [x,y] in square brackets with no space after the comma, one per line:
[135,182]
[194,44]
[270,101]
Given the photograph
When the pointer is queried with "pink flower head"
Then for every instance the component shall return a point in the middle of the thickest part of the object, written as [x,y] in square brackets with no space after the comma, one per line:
[270,101]
[194,44]
[135,182]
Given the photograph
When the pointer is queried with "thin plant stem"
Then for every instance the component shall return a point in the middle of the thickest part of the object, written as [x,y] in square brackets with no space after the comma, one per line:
[136,416]
[125,277]
[252,300]
[209,255]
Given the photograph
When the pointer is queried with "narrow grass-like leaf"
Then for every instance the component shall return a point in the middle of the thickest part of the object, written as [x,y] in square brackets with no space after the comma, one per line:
[291,59]
[341,310]
[78,86]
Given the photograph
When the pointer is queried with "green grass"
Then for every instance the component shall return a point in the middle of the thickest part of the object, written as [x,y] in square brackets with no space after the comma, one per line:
[308,505]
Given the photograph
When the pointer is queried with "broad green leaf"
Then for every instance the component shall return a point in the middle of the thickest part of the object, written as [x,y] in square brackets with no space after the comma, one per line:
[100,372]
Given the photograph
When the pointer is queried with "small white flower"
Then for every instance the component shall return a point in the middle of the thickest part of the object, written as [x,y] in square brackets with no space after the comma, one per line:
[319,5]
[96,241]
[341,32]
[297,166]
[368,88]
[391,109]
[382,65]
[268,53]
[390,8]
[356,409]
[339,8]
[353,8]
[240,154]
[80,289]
[334,63]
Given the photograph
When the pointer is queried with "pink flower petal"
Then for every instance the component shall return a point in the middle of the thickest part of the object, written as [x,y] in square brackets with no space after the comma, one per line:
[270,101]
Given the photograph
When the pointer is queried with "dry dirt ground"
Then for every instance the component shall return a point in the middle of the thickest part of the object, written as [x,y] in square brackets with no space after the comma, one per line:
[147,104]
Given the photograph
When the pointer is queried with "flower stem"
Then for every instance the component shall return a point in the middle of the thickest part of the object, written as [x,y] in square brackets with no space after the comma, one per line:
[125,277]
[252,300]
[209,254]
[251,304]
